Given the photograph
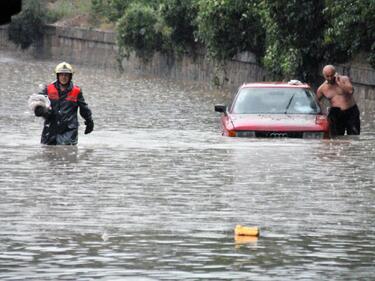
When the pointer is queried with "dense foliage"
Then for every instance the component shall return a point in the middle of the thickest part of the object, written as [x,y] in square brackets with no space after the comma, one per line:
[180,17]
[27,27]
[294,37]
[110,9]
[291,38]
[351,29]
[141,29]
[228,27]
[113,10]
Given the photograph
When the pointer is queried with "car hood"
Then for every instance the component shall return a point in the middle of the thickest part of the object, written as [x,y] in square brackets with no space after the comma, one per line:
[275,122]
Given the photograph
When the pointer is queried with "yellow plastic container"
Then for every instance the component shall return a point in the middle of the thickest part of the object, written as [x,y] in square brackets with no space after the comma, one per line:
[241,239]
[246,231]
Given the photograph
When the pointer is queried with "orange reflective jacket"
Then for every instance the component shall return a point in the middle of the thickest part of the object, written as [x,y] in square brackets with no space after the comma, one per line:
[53,93]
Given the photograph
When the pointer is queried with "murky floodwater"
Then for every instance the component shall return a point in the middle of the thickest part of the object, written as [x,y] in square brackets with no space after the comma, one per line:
[154,193]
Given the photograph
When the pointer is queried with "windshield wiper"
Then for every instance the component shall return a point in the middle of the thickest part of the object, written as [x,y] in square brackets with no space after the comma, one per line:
[289,103]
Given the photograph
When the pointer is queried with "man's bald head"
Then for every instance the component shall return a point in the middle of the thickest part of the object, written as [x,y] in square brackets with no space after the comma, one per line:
[329,73]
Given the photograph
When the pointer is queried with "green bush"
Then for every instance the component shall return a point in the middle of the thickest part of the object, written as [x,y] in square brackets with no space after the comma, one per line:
[371,57]
[113,10]
[294,37]
[141,29]
[228,27]
[180,16]
[350,29]
[27,27]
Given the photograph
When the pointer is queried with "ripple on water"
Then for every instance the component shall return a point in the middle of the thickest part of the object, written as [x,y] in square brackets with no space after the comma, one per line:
[154,193]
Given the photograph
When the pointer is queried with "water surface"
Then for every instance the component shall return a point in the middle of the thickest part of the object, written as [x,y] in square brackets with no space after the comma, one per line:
[154,193]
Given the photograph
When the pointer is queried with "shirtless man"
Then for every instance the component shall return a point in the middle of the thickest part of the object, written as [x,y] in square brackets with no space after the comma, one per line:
[344,113]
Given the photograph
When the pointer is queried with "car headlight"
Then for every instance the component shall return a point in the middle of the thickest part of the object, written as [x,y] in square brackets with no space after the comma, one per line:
[245,134]
[313,135]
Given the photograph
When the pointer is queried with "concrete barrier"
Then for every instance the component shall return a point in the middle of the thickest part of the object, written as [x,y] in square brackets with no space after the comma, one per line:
[98,48]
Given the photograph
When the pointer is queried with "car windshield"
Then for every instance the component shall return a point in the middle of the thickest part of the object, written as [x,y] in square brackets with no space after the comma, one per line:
[275,101]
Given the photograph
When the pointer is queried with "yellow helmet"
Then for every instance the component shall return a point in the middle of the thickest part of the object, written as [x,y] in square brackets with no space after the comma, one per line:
[64,67]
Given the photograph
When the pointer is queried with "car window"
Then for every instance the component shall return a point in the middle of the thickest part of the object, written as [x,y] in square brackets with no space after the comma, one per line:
[275,101]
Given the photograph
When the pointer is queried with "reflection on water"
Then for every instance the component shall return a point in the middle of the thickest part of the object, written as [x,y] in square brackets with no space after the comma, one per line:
[154,193]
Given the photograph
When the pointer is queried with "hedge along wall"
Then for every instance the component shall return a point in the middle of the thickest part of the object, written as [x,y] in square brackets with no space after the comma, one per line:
[98,48]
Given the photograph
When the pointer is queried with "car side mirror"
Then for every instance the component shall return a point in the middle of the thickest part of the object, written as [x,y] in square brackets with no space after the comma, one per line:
[221,108]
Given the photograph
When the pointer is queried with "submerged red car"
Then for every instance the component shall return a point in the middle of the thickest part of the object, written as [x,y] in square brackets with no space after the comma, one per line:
[274,109]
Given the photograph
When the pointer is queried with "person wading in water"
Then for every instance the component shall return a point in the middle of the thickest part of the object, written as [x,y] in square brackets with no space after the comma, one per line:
[344,113]
[61,120]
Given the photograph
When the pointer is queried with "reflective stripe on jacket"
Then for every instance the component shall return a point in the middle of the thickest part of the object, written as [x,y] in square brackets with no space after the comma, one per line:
[53,93]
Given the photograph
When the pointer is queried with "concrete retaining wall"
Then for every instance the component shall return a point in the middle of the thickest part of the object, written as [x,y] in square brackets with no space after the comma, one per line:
[199,69]
[80,46]
[363,78]
[92,47]
[98,48]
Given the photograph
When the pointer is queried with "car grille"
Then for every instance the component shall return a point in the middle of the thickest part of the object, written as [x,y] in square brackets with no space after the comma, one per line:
[272,134]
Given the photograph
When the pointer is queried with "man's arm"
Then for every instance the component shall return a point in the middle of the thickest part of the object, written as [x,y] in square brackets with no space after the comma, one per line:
[319,93]
[85,112]
[320,96]
[84,109]
[344,83]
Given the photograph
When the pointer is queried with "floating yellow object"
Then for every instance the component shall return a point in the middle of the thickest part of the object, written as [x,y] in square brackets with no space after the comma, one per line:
[246,230]
[241,239]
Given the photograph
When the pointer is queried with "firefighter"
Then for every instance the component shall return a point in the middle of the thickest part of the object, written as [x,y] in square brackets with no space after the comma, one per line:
[58,105]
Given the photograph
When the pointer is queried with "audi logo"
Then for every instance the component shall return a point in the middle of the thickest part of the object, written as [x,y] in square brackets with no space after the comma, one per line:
[278,135]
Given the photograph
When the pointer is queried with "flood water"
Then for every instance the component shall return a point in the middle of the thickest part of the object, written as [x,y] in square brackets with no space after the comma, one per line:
[154,193]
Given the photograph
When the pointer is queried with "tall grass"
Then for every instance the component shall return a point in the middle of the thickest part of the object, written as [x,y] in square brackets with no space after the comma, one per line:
[67,9]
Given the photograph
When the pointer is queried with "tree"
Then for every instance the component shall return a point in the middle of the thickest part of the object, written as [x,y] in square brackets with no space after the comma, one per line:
[27,27]
[294,37]
[228,27]
[350,29]
[180,16]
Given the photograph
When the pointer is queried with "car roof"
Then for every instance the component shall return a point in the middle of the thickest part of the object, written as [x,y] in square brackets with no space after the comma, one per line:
[290,84]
